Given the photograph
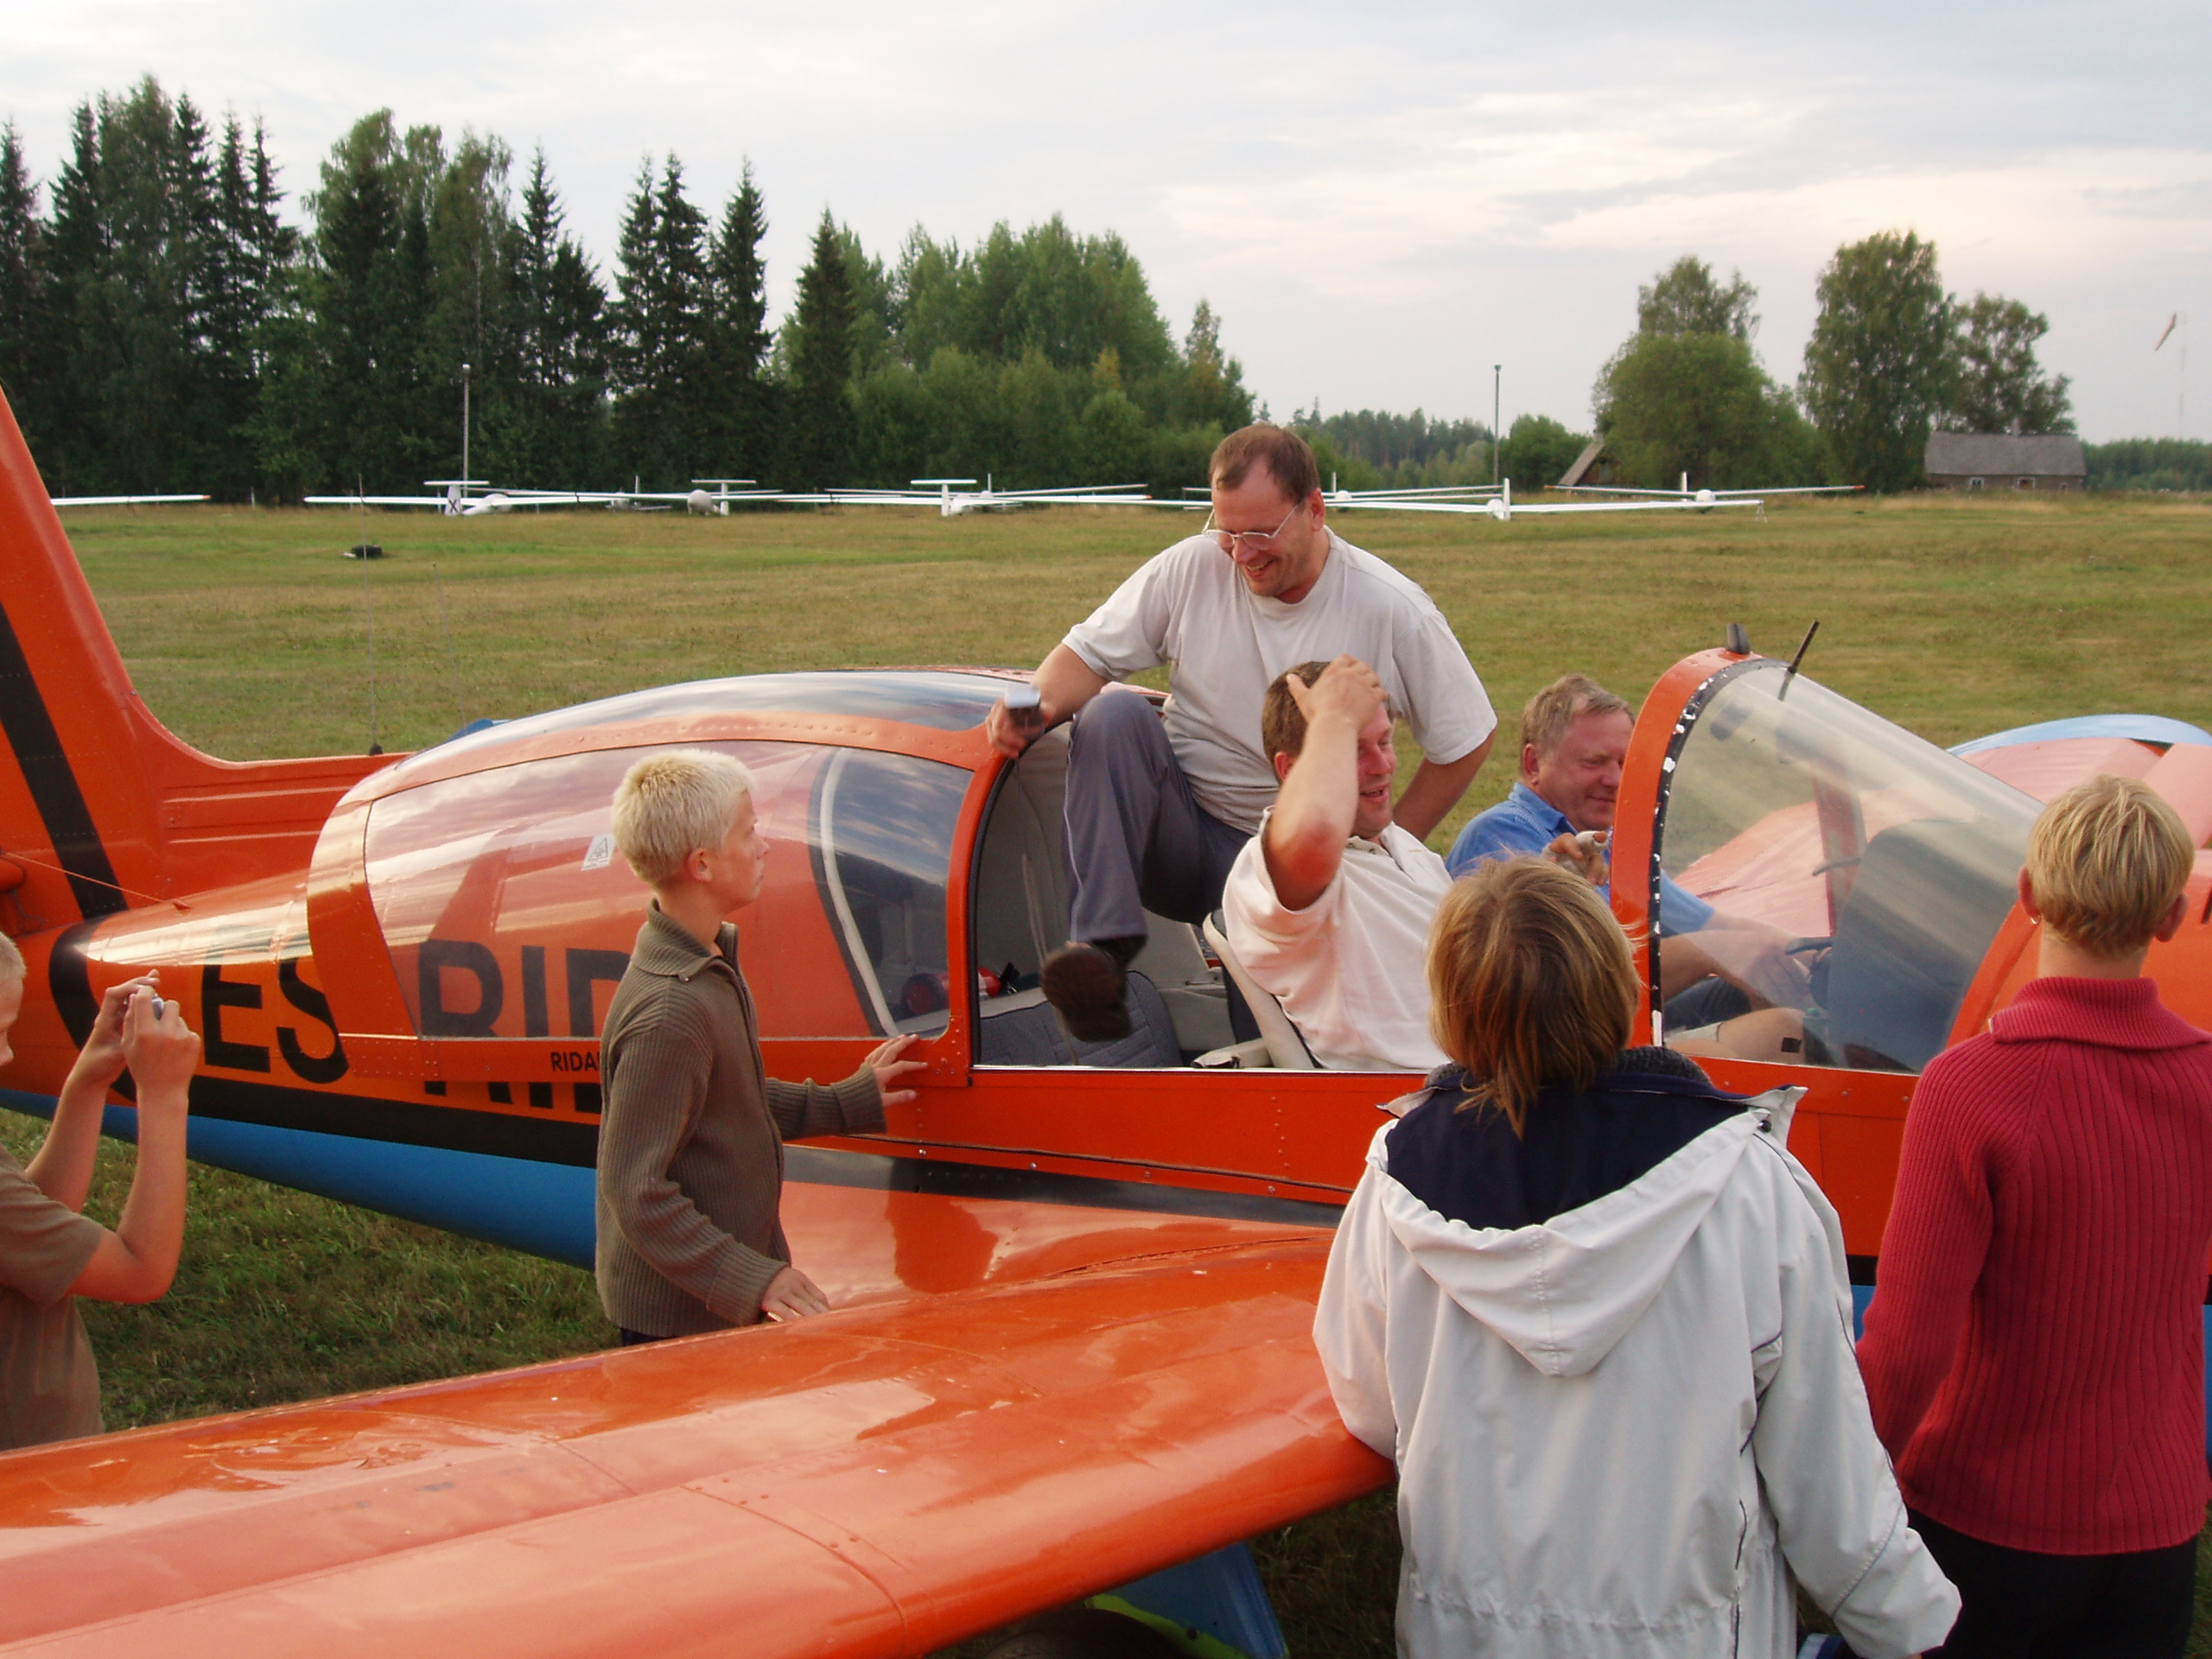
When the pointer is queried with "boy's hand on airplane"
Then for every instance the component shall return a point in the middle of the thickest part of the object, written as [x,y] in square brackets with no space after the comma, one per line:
[162,1051]
[791,1295]
[889,1068]
[100,1061]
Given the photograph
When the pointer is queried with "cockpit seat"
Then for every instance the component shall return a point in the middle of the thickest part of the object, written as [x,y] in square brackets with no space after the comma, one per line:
[1286,1047]
[1023,1030]
[1889,1000]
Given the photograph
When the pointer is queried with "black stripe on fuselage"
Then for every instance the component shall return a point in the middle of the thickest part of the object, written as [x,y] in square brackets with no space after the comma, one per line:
[69,977]
[449,1128]
[70,830]
[504,1134]
[832,1166]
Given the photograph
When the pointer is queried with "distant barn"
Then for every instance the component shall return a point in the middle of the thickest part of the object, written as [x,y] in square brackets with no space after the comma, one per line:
[1995,460]
[1592,465]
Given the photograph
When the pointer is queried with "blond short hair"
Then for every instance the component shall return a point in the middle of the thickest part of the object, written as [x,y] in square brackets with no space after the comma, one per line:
[2107,861]
[11,962]
[670,804]
[1546,717]
[1531,983]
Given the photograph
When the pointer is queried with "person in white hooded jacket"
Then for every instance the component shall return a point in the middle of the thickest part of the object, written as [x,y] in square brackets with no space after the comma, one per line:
[1598,1318]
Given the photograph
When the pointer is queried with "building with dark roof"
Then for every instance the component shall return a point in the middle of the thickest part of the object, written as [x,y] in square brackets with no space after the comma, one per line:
[1999,460]
[1592,465]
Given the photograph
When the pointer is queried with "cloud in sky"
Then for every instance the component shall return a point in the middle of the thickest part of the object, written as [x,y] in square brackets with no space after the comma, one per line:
[1379,204]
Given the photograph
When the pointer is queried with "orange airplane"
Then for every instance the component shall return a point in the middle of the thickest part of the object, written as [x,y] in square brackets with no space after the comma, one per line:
[1073,1290]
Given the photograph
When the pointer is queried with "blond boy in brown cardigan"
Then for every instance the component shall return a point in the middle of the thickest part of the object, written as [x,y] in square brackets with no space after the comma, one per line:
[691,1138]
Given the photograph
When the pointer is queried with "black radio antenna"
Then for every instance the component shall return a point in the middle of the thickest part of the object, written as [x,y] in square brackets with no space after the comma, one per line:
[1790,672]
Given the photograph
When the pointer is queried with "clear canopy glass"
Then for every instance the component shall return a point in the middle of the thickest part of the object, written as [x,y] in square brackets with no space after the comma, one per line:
[1889,862]
[508,913]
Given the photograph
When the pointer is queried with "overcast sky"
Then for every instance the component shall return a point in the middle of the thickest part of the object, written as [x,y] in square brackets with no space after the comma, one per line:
[1380,203]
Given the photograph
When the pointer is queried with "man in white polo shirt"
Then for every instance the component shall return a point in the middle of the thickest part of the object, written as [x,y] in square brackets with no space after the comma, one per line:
[1158,808]
[1329,906]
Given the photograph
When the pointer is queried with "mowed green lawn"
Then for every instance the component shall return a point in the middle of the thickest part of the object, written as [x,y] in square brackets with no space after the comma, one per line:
[249,635]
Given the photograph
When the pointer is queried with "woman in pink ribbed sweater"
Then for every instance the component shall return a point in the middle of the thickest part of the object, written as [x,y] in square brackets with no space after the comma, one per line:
[2035,1352]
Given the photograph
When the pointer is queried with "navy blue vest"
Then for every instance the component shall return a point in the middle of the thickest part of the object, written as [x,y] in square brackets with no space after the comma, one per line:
[1578,1146]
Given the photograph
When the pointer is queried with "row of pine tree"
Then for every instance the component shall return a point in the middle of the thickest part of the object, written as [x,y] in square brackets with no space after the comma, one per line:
[163,326]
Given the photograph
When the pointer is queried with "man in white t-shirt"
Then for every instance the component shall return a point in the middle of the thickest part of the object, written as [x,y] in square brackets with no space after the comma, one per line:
[1158,808]
[1329,906]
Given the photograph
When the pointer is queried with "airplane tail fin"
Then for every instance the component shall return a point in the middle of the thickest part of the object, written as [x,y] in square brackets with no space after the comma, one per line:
[72,810]
[101,807]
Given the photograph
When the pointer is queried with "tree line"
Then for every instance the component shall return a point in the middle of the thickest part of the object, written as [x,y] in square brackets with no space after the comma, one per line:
[2155,464]
[163,327]
[1370,449]
[1892,358]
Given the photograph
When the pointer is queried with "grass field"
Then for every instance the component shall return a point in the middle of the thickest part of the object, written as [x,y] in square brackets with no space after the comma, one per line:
[249,636]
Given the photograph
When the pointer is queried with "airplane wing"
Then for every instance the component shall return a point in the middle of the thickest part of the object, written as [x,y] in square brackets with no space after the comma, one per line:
[1802,489]
[117,500]
[1615,489]
[1677,505]
[877,1481]
[1791,489]
[492,501]
[1069,498]
[438,501]
[594,498]
[971,500]
[1502,509]
[855,495]
[1402,504]
[571,498]
[1105,492]
[1439,492]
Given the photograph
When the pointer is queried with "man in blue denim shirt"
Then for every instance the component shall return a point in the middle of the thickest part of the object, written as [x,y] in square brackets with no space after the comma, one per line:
[1575,737]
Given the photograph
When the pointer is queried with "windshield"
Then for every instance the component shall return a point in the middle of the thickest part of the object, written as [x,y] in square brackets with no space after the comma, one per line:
[508,913]
[1888,862]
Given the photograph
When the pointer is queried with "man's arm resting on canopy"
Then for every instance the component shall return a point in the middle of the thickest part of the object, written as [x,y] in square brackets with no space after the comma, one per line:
[1063,684]
[1753,957]
[1436,789]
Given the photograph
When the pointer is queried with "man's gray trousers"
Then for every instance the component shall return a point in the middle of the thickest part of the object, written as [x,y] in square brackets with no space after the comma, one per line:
[1137,839]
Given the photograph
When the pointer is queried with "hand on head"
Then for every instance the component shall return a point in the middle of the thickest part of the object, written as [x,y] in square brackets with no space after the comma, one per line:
[1348,689]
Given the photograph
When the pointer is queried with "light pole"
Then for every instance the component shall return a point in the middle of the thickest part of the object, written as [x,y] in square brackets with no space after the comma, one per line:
[1497,379]
[464,429]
